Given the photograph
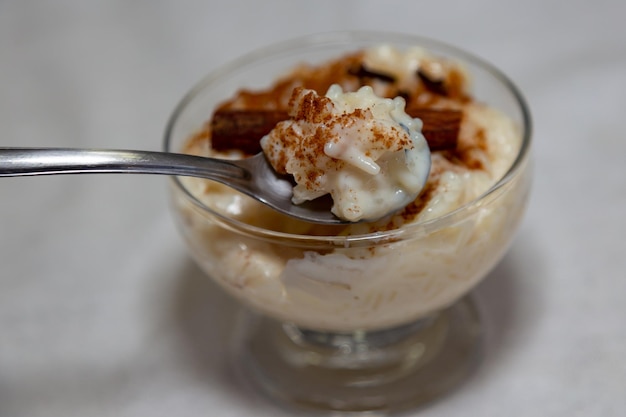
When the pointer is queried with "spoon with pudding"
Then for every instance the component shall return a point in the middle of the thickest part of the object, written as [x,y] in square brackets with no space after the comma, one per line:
[252,176]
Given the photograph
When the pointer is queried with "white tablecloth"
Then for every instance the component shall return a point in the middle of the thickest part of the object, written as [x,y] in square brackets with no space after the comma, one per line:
[102,313]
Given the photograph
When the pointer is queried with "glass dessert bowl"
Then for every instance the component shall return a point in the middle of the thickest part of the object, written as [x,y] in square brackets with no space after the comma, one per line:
[368,316]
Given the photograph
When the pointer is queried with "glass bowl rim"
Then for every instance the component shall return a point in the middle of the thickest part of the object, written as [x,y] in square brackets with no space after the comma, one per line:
[335,38]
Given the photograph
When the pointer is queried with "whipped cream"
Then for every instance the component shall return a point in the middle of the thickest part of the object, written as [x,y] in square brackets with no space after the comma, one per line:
[363,150]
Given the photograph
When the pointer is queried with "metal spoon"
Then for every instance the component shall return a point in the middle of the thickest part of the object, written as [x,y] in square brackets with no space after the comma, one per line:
[252,176]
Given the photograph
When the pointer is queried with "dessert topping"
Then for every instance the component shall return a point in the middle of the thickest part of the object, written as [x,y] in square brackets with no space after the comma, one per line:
[363,150]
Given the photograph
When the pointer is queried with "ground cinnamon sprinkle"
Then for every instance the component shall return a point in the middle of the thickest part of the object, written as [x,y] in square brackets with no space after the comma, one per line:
[447,92]
[342,71]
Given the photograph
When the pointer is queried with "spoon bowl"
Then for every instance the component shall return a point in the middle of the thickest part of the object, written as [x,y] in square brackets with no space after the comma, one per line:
[252,176]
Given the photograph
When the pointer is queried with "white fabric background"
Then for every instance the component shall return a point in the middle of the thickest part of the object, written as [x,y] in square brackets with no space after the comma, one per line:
[102,313]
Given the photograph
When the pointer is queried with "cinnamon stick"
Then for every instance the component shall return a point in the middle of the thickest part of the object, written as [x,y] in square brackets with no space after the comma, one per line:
[243,129]
[441,127]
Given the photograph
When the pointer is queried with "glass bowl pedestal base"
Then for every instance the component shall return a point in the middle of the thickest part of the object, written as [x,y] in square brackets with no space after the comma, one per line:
[386,370]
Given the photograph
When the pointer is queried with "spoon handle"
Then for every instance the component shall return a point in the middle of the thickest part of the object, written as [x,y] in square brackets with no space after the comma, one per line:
[46,161]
